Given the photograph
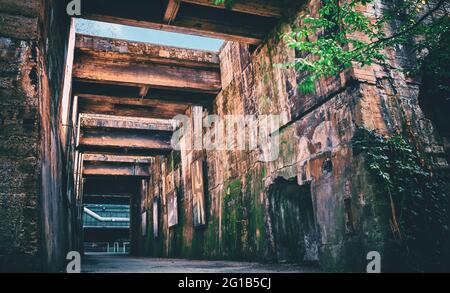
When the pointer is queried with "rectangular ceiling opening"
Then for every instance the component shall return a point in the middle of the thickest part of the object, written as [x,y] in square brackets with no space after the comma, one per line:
[153,36]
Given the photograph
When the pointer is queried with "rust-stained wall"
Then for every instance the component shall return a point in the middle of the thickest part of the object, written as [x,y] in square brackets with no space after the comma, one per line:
[19,134]
[56,198]
[315,149]
[38,208]
[33,36]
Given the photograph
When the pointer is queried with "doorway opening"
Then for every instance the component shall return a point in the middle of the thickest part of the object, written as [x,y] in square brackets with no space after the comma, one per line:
[293,221]
[106,227]
[108,222]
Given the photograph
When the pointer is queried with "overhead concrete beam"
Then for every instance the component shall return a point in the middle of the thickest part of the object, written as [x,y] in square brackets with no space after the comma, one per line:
[171,10]
[108,98]
[115,169]
[124,50]
[117,159]
[134,123]
[124,141]
[268,8]
[139,74]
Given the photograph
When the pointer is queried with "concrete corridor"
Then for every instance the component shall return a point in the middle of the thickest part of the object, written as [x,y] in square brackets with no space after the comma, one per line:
[117,145]
[103,263]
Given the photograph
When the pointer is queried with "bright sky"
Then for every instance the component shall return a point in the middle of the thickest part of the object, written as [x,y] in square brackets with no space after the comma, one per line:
[130,33]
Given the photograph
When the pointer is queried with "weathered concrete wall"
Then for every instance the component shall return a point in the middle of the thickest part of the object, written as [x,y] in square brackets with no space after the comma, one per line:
[315,134]
[315,150]
[54,25]
[36,193]
[19,134]
[32,56]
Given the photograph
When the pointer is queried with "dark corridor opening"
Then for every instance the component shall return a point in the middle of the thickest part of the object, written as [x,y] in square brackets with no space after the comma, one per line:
[293,222]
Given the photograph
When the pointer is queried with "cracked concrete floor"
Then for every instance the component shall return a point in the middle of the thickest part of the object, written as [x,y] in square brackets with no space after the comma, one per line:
[106,263]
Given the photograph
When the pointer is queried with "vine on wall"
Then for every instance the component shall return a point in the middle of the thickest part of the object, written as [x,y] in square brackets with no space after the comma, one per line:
[416,201]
